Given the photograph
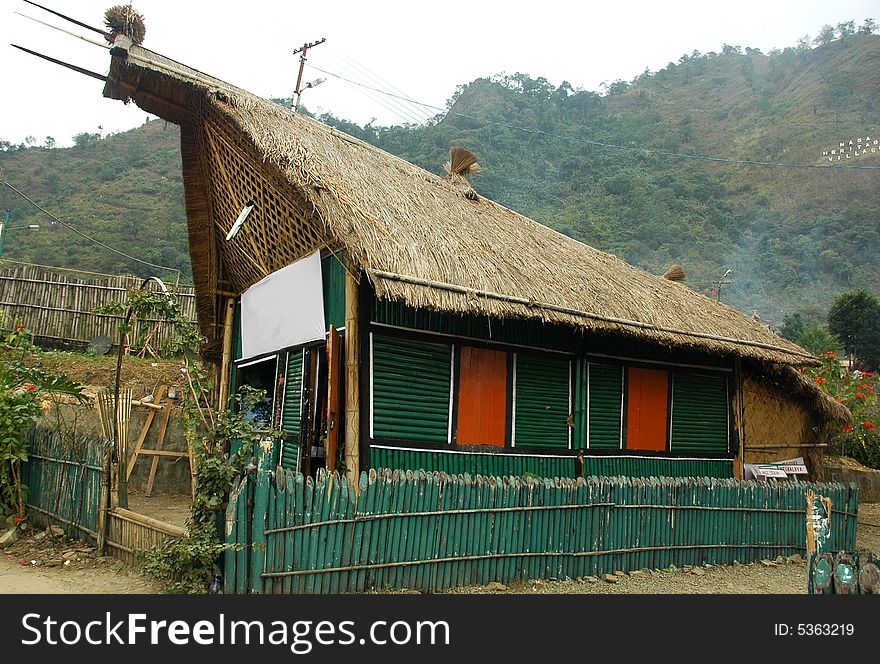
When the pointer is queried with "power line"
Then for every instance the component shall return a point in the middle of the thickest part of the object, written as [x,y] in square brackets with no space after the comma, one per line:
[376,79]
[88,237]
[587,141]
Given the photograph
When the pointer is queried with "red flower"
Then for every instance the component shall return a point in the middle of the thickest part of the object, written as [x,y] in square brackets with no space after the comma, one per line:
[861,395]
[18,519]
[866,387]
[869,425]
[847,427]
[31,388]
[841,401]
[867,374]
[829,353]
[20,327]
[821,381]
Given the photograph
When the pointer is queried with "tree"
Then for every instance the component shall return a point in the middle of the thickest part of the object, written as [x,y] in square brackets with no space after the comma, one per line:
[815,338]
[846,29]
[825,36]
[85,138]
[49,143]
[792,326]
[869,27]
[855,319]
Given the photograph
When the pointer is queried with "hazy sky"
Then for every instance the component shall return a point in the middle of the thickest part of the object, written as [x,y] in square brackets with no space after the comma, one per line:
[422,51]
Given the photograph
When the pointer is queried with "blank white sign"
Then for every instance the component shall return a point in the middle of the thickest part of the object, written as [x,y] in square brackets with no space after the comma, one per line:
[284,309]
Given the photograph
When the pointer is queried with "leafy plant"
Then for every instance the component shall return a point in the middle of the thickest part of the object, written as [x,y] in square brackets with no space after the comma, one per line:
[185,565]
[26,392]
[858,391]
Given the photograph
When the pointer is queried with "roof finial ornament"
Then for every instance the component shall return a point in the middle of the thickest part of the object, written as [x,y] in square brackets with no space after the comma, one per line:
[675,273]
[125,20]
[462,163]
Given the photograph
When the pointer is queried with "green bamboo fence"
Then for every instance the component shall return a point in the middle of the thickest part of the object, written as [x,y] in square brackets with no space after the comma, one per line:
[431,531]
[63,480]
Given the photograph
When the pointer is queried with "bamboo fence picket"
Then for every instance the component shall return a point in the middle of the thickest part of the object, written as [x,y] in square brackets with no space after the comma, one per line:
[60,308]
[429,531]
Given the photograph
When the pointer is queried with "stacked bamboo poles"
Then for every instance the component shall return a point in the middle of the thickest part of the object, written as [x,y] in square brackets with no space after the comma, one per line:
[429,531]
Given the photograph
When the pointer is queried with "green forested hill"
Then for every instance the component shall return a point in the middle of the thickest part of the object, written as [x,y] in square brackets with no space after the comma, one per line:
[794,238]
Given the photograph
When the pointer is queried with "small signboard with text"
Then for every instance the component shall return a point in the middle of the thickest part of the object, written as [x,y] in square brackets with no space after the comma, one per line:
[777,469]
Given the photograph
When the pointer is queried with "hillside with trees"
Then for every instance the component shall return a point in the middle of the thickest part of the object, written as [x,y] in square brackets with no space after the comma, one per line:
[623,170]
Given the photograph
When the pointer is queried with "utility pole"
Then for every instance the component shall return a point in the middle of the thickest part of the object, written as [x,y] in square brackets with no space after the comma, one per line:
[302,63]
[4,228]
[723,281]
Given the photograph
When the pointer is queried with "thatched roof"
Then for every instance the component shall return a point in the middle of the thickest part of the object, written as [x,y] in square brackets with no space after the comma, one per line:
[420,239]
[798,384]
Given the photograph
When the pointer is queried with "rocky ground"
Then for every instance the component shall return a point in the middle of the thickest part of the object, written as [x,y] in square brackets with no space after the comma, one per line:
[49,562]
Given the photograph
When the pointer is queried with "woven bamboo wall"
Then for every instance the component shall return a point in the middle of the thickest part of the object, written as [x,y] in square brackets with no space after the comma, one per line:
[777,426]
[59,308]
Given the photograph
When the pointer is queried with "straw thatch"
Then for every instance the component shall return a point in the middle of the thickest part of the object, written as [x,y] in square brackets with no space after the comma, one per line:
[420,239]
[675,273]
[124,20]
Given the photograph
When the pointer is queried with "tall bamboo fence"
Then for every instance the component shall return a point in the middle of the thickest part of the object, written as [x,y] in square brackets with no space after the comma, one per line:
[59,307]
[430,531]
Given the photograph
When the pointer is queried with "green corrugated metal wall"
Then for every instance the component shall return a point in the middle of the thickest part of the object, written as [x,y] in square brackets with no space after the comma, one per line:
[606,394]
[699,412]
[541,401]
[514,331]
[483,464]
[633,466]
[333,277]
[411,385]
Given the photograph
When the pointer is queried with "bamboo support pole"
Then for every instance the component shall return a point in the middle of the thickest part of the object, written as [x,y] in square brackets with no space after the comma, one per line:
[226,362]
[352,382]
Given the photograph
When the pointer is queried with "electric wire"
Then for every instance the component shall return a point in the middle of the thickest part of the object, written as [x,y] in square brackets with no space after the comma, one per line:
[85,235]
[376,79]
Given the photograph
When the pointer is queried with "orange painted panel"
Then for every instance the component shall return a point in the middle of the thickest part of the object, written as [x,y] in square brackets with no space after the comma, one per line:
[647,409]
[482,404]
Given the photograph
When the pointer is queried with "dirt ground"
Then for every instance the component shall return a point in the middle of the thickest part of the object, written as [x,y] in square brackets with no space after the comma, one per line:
[46,563]
[173,509]
[96,373]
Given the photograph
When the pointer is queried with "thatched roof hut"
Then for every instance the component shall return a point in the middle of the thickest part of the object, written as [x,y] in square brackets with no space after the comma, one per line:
[417,237]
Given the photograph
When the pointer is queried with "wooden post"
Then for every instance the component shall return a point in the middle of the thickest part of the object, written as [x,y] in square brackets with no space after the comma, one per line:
[333,366]
[105,501]
[739,419]
[352,383]
[226,362]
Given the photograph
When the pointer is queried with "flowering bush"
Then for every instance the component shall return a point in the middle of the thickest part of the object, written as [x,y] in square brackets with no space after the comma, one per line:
[26,392]
[858,391]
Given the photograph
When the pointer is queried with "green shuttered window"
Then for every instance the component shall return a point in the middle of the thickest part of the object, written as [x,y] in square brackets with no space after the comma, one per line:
[605,406]
[699,412]
[411,383]
[291,413]
[541,401]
